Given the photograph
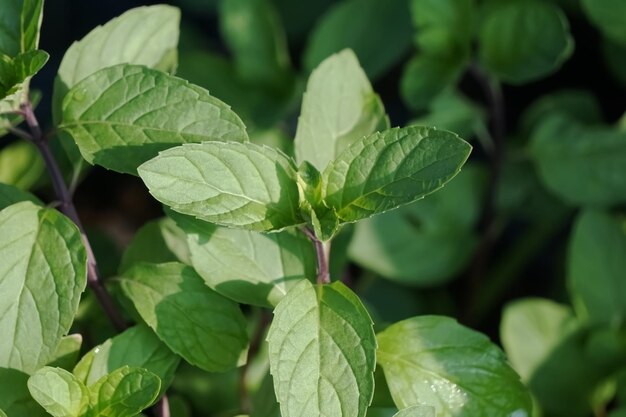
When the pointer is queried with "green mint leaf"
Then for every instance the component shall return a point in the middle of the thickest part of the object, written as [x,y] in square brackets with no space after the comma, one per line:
[323,219]
[417,411]
[138,347]
[444,27]
[16,400]
[596,250]
[509,36]
[143,36]
[20,22]
[15,75]
[206,329]
[123,393]
[253,33]
[248,267]
[530,331]
[158,241]
[42,274]
[322,352]
[608,16]
[240,185]
[21,165]
[10,195]
[59,392]
[427,76]
[379,32]
[390,169]
[580,164]
[425,243]
[2,414]
[124,115]
[67,352]
[338,108]
[433,360]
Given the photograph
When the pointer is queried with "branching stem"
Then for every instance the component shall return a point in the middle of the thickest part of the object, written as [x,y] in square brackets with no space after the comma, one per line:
[322,250]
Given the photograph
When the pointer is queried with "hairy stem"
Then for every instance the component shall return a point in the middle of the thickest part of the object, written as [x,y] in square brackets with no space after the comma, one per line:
[66,206]
[322,250]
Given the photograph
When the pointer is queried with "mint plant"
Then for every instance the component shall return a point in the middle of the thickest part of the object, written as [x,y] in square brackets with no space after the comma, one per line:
[302,267]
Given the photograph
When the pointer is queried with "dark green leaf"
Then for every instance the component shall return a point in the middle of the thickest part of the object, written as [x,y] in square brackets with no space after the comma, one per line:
[248,267]
[20,22]
[233,184]
[390,169]
[433,360]
[338,108]
[609,16]
[15,400]
[322,352]
[10,195]
[42,274]
[521,41]
[124,115]
[596,268]
[379,32]
[15,75]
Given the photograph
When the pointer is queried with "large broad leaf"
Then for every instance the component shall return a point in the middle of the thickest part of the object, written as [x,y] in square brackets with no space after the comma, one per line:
[137,346]
[10,195]
[582,165]
[59,392]
[379,32]
[20,22]
[596,268]
[390,169]
[42,274]
[157,241]
[21,165]
[233,184]
[322,352]
[427,242]
[531,329]
[609,16]
[202,326]
[338,108]
[16,400]
[124,115]
[432,360]
[248,267]
[510,35]
[144,36]
[123,393]
[253,32]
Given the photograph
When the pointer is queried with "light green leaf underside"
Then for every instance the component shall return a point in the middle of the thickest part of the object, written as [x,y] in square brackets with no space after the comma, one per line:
[521,41]
[431,360]
[10,195]
[123,393]
[21,165]
[2,414]
[338,108]
[67,352]
[248,267]
[59,392]
[390,169]
[596,268]
[205,328]
[322,352]
[42,274]
[138,347]
[19,26]
[143,36]
[15,400]
[531,329]
[582,165]
[417,411]
[124,115]
[233,184]
[158,241]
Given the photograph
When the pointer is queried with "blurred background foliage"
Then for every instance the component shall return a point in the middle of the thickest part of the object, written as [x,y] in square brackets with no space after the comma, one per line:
[527,244]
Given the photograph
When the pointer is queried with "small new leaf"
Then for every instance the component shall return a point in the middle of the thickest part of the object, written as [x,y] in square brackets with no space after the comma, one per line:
[322,352]
[390,169]
[59,392]
[202,326]
[240,185]
[124,115]
[338,108]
